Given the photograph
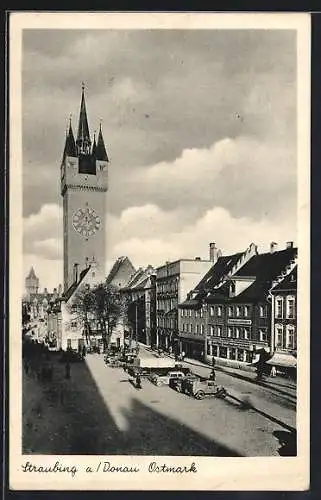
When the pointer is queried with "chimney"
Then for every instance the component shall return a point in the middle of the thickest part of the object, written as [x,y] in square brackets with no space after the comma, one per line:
[215,253]
[289,244]
[197,258]
[273,247]
[75,276]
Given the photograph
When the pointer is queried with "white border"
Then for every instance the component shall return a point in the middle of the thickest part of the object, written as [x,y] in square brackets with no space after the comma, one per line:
[273,473]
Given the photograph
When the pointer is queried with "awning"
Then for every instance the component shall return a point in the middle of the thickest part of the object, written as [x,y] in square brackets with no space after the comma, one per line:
[280,359]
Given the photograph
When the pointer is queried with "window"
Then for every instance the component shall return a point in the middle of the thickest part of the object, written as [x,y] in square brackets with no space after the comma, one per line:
[202,329]
[279,308]
[279,336]
[230,311]
[237,333]
[229,332]
[219,311]
[212,311]
[196,313]
[261,311]
[246,311]
[190,328]
[262,335]
[190,313]
[290,308]
[182,313]
[68,343]
[238,311]
[197,328]
[211,330]
[246,333]
[201,313]
[219,331]
[290,338]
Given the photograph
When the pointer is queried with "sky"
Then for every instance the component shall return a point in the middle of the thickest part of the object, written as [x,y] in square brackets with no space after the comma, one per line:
[200,128]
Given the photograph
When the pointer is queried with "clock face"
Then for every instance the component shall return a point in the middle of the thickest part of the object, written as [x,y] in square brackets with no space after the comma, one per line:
[86,221]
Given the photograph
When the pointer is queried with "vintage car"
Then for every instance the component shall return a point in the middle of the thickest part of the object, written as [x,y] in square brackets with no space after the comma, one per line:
[202,388]
[165,378]
[179,384]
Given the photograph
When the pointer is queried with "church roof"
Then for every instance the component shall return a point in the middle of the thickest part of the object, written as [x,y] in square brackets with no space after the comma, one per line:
[100,150]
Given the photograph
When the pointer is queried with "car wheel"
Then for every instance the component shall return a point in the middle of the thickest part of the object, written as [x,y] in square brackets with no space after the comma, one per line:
[178,388]
[200,395]
[158,383]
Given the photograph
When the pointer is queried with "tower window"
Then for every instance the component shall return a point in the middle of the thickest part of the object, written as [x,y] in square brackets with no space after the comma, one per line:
[87,165]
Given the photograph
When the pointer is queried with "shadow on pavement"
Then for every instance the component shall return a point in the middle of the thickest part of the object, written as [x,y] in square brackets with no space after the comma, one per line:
[69,416]
[152,433]
[288,443]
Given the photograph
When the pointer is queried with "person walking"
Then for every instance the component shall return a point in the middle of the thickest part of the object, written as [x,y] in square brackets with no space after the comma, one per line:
[273,372]
[138,381]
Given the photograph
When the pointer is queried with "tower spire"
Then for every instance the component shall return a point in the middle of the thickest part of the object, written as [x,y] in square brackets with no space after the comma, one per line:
[101,153]
[83,138]
[70,145]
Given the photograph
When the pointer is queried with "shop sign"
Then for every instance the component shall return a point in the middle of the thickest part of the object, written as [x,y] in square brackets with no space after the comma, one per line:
[235,321]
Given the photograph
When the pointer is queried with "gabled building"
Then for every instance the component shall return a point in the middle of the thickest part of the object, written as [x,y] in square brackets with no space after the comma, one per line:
[121,272]
[284,320]
[232,316]
[203,313]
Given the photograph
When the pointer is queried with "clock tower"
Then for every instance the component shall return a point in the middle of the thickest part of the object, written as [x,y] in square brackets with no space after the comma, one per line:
[84,170]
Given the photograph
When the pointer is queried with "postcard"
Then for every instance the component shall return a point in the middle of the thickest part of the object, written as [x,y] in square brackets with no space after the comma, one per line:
[159,251]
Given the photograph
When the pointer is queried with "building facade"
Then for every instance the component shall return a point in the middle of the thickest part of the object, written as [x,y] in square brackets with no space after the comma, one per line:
[284,321]
[173,281]
[204,315]
[84,183]
[230,318]
[140,297]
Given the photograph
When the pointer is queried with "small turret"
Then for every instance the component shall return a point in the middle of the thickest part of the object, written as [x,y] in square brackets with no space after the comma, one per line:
[101,153]
[70,145]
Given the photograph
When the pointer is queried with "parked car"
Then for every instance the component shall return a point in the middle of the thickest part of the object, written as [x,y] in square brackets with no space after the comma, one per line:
[202,388]
[164,379]
[179,383]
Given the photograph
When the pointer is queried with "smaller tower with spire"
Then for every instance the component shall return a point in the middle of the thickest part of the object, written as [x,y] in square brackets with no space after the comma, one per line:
[32,283]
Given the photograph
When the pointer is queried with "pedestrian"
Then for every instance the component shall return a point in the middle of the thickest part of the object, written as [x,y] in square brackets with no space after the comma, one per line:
[213,375]
[273,372]
[183,355]
[213,362]
[84,351]
[67,370]
[138,381]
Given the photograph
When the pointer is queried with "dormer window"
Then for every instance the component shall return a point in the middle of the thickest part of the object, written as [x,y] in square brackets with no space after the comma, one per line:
[232,289]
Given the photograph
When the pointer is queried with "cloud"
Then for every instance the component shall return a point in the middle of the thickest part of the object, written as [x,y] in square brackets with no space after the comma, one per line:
[246,176]
[42,232]
[158,93]
[232,234]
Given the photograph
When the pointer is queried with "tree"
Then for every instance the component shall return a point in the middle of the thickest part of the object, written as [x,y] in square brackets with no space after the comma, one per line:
[108,309]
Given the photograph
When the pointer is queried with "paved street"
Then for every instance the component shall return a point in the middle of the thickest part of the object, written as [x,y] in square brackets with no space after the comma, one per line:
[99,411]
